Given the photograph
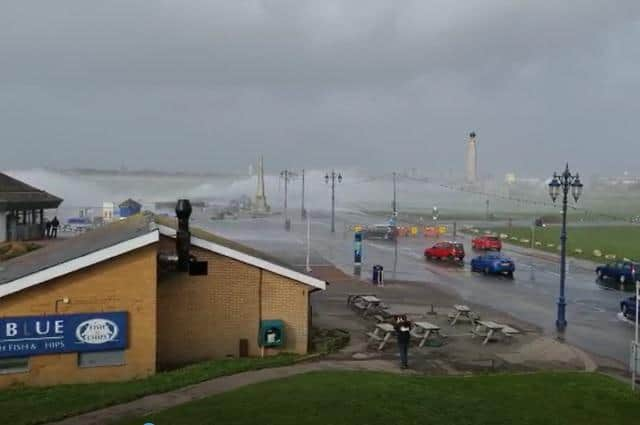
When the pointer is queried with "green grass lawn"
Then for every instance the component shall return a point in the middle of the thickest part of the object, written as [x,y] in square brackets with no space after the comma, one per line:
[621,241]
[39,405]
[354,398]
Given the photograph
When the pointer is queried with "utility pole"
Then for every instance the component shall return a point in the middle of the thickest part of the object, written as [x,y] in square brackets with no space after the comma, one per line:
[303,212]
[308,268]
[394,205]
[286,175]
[487,209]
[333,176]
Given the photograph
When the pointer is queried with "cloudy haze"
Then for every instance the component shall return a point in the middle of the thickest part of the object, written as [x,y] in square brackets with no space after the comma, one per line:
[395,83]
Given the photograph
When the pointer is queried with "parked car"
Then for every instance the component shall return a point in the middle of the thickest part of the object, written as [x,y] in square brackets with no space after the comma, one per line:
[493,264]
[620,271]
[487,243]
[628,308]
[381,231]
[445,251]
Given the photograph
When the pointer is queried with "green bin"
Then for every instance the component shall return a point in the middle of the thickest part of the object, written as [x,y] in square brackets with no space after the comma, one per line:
[271,333]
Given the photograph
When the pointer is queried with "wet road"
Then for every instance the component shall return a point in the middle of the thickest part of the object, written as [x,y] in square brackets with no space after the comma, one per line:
[531,295]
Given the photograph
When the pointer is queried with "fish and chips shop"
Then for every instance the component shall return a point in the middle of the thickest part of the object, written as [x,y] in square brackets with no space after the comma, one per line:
[141,295]
[34,335]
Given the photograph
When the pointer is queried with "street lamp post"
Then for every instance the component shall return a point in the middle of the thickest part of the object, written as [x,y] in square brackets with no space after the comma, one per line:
[333,176]
[286,175]
[303,212]
[563,183]
[436,215]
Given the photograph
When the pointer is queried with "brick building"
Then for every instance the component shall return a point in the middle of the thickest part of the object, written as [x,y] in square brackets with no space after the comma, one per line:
[111,305]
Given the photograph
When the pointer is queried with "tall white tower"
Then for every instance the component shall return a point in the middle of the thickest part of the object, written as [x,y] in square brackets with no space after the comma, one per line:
[260,204]
[472,159]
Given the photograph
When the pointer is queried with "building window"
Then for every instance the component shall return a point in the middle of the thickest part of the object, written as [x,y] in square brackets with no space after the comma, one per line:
[14,365]
[101,358]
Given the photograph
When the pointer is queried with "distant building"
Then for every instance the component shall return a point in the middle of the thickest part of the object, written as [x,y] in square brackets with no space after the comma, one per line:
[472,159]
[129,208]
[108,211]
[22,209]
[512,179]
[621,181]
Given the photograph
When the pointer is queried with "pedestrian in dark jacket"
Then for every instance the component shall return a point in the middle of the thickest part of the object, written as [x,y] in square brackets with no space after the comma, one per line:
[47,229]
[403,331]
[54,227]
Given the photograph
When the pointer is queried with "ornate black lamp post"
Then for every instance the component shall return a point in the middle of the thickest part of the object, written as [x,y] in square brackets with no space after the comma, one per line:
[562,183]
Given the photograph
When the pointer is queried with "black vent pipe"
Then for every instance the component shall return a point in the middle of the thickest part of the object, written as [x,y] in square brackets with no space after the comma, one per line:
[183,236]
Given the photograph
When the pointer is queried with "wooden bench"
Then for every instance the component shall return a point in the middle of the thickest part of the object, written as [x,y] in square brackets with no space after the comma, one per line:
[422,331]
[385,328]
[490,327]
[509,332]
[372,336]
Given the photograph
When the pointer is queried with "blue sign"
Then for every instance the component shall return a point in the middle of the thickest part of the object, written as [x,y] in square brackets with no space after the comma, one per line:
[357,248]
[65,333]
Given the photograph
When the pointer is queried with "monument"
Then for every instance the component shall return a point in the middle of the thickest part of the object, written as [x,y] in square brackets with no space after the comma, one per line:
[260,205]
[472,159]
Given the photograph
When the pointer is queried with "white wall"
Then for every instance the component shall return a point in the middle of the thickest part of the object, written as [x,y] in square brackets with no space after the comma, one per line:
[3,226]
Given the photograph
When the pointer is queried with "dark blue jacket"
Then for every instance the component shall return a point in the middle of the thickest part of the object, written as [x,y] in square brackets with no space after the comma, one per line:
[403,336]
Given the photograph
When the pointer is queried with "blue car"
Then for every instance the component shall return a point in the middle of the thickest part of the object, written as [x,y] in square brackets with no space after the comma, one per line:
[628,308]
[620,271]
[493,264]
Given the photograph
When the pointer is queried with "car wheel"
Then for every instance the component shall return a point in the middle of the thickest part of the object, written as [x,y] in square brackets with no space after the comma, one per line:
[600,274]
[486,271]
[625,310]
[510,275]
[622,279]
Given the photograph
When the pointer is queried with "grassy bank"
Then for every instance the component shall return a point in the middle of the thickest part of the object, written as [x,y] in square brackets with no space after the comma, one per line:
[9,250]
[22,406]
[621,241]
[377,398]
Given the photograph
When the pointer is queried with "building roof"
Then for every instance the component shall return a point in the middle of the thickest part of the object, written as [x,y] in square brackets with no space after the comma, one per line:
[214,243]
[18,195]
[130,203]
[69,255]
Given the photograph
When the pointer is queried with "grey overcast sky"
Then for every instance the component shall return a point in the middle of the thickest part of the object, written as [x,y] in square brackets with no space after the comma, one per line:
[207,85]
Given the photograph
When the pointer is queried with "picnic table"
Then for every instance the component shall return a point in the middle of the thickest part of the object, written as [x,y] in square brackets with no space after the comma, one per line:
[353,298]
[422,331]
[491,327]
[381,333]
[364,303]
[459,312]
[371,299]
[390,313]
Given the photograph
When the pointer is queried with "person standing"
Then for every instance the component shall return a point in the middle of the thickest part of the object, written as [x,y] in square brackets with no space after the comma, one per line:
[54,227]
[403,331]
[47,229]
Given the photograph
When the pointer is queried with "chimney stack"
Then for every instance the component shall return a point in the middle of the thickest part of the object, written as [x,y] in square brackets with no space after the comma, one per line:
[183,236]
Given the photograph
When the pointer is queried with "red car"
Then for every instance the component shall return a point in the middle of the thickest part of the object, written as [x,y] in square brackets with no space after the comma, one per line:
[487,243]
[445,251]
